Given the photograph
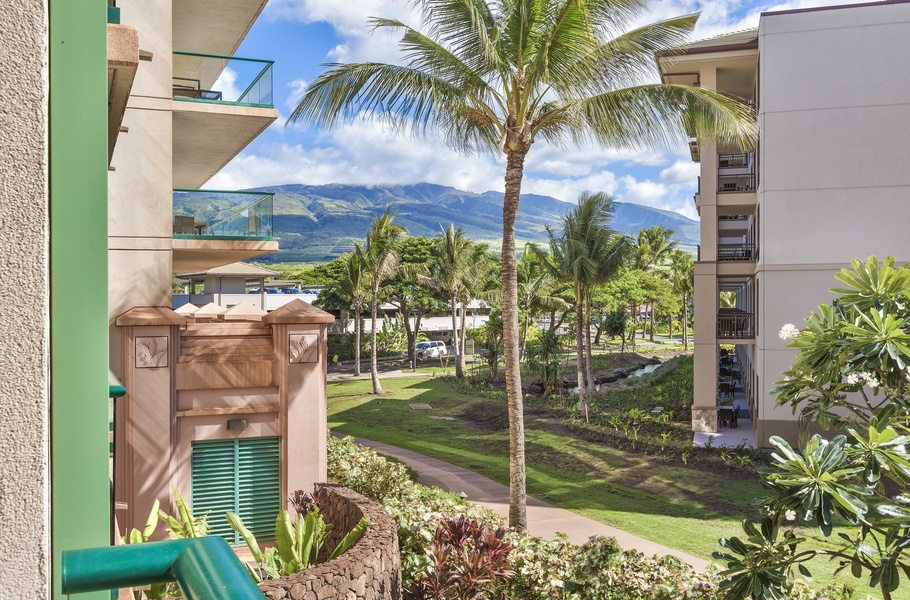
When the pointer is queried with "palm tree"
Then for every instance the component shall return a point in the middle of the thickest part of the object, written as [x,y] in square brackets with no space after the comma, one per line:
[456,267]
[655,245]
[682,278]
[349,291]
[587,252]
[380,259]
[536,287]
[498,76]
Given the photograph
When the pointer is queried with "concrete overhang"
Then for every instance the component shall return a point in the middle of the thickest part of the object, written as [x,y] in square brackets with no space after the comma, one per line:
[213,26]
[207,135]
[122,63]
[202,254]
[740,271]
[734,203]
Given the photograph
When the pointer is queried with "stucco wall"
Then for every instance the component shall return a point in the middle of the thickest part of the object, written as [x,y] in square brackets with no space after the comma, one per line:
[834,183]
[369,570]
[24,293]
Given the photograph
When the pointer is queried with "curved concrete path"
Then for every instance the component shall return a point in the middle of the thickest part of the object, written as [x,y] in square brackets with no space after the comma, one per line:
[544,519]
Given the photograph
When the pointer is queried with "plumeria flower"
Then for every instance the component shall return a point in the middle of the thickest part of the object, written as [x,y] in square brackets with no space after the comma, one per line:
[790,515]
[789,332]
[854,378]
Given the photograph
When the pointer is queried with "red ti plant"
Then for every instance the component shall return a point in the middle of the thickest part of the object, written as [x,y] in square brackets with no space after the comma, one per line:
[467,562]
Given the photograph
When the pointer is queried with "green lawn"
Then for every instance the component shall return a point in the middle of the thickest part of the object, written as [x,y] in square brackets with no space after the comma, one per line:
[681,507]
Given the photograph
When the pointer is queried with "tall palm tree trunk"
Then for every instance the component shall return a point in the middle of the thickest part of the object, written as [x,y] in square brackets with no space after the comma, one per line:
[517,493]
[580,357]
[459,366]
[462,338]
[589,353]
[357,321]
[374,364]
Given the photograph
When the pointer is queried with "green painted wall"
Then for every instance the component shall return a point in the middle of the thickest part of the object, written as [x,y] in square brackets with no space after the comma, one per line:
[80,487]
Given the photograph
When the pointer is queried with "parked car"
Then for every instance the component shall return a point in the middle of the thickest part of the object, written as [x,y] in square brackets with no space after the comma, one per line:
[430,349]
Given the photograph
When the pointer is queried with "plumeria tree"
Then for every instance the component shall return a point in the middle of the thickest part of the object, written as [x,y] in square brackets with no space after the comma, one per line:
[851,377]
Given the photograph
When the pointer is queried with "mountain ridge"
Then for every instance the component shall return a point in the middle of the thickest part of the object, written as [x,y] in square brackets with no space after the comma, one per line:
[318,222]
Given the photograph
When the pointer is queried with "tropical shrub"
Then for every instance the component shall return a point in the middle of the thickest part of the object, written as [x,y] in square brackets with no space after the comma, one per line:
[367,472]
[297,543]
[851,374]
[466,561]
[418,510]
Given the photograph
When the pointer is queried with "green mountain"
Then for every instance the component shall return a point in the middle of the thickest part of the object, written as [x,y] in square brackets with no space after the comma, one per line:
[316,222]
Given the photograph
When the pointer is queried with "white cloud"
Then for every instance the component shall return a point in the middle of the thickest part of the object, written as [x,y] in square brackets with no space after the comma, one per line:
[366,152]
[350,20]
[290,102]
[681,173]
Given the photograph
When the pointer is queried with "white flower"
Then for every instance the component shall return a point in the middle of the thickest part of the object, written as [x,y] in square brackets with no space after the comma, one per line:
[854,378]
[790,515]
[556,583]
[789,332]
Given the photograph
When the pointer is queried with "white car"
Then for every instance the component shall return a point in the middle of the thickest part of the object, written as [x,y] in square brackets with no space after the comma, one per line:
[430,349]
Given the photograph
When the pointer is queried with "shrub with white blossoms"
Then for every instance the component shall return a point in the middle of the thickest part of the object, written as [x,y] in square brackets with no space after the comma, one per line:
[789,332]
[851,377]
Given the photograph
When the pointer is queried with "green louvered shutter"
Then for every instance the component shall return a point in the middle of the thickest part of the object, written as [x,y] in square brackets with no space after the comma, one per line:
[242,476]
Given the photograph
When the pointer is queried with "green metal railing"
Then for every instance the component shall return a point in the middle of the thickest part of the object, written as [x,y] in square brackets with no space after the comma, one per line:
[222,79]
[216,213]
[205,568]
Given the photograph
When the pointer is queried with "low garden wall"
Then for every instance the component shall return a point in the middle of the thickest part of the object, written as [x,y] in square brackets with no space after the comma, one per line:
[369,570]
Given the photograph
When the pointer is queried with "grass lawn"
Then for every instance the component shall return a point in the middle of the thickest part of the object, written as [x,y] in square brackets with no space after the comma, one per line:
[685,508]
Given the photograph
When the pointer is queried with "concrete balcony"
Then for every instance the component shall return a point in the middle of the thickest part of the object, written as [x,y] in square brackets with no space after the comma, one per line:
[217,26]
[214,228]
[221,104]
[122,63]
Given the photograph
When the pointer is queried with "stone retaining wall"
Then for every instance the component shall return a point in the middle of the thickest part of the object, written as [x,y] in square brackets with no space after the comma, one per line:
[369,570]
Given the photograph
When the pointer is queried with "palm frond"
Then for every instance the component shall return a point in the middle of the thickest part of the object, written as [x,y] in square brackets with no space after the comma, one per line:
[662,114]
[613,17]
[468,27]
[568,38]
[423,53]
[628,59]
[405,95]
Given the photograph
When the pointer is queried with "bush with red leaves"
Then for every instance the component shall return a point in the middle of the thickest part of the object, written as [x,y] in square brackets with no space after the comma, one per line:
[467,562]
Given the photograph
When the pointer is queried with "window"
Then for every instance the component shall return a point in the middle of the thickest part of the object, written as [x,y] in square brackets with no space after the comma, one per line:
[239,475]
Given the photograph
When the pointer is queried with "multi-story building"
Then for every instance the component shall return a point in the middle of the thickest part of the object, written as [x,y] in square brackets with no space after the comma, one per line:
[825,184]
[117,115]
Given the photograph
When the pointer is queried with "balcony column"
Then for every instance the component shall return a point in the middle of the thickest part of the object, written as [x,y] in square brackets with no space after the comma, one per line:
[704,407]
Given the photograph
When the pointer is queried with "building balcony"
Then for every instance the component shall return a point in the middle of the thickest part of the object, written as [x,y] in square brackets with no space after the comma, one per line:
[221,104]
[744,182]
[735,324]
[736,252]
[122,63]
[217,26]
[214,228]
[734,161]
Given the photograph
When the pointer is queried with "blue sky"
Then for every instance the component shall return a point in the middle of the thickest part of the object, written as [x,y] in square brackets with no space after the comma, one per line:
[299,35]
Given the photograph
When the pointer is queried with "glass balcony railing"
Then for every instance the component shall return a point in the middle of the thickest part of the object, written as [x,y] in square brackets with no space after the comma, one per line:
[223,79]
[213,214]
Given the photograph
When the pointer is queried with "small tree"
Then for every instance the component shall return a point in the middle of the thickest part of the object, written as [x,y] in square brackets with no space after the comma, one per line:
[851,373]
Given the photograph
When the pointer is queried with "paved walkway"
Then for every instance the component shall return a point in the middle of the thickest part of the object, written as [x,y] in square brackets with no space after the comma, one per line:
[543,519]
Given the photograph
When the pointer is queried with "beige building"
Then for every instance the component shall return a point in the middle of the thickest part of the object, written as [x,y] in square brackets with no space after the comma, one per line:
[228,407]
[827,183]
